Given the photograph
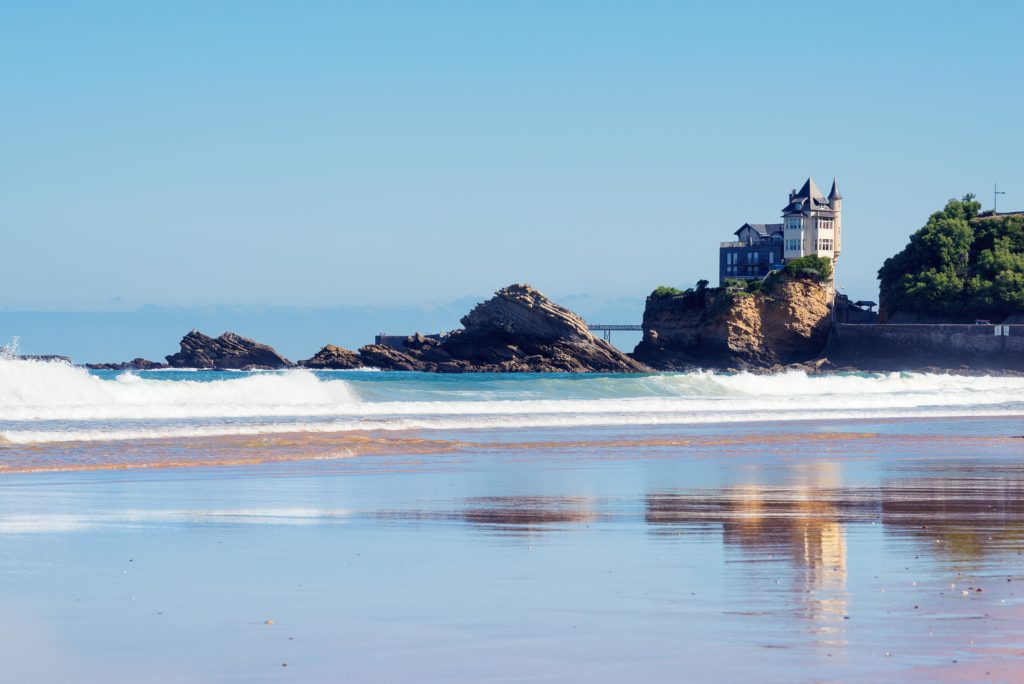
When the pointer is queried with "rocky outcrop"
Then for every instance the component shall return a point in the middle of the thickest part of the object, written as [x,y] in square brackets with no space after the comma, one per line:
[137,364]
[333,358]
[786,323]
[46,358]
[227,352]
[517,330]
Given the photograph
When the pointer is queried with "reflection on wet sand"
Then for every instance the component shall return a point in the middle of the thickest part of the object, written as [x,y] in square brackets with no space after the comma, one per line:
[968,525]
[959,519]
[508,515]
[804,525]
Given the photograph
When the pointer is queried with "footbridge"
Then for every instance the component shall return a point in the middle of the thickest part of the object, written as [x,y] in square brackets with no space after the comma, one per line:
[607,329]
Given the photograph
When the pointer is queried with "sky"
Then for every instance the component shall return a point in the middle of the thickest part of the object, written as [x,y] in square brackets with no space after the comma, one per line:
[402,158]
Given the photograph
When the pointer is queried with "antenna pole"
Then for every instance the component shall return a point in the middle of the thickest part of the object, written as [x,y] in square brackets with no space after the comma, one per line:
[995,198]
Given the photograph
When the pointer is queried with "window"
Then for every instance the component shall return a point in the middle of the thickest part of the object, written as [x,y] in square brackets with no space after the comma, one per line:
[730,257]
[825,245]
[792,245]
[825,224]
[752,257]
[794,223]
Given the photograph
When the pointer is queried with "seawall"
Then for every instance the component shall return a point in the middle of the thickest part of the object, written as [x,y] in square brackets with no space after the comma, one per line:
[913,346]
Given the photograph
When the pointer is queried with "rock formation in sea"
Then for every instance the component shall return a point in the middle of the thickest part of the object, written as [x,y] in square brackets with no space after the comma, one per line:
[333,358]
[517,330]
[786,323]
[46,358]
[136,364]
[227,352]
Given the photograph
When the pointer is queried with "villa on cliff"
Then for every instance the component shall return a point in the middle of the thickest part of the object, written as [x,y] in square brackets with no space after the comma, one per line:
[811,224]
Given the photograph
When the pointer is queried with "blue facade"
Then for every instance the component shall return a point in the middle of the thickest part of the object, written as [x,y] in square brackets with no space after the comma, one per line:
[753,255]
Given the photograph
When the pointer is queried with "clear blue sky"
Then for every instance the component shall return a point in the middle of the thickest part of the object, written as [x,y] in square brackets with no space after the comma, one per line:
[334,154]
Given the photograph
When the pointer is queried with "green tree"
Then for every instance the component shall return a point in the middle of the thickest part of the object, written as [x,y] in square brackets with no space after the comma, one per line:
[958,265]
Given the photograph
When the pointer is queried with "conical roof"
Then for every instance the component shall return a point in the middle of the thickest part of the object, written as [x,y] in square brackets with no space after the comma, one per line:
[834,193]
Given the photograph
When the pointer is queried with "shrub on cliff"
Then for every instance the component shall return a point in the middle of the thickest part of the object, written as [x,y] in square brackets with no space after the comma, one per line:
[810,267]
[734,284]
[959,265]
[665,291]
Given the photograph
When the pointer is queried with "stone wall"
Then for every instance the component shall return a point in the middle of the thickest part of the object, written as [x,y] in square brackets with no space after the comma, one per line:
[906,347]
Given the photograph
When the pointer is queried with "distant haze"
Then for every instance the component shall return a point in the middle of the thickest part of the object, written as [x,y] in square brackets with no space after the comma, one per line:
[367,158]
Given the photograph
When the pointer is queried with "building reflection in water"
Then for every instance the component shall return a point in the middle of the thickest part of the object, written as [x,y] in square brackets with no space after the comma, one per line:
[964,523]
[800,525]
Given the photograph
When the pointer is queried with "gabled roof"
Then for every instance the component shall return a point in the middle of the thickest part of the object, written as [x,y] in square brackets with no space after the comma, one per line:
[762,229]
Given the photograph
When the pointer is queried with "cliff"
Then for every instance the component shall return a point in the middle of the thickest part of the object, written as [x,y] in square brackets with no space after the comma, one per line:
[787,322]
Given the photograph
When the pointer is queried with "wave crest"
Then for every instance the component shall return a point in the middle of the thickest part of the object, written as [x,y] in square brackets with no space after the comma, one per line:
[35,390]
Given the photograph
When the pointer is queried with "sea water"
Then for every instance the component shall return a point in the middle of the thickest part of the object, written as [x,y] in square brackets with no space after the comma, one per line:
[372,526]
[54,402]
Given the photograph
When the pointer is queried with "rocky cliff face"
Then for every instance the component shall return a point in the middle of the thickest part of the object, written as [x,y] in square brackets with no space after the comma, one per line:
[517,330]
[227,352]
[333,358]
[787,323]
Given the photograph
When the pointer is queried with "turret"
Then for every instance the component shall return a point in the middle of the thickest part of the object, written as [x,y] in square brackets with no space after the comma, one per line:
[835,200]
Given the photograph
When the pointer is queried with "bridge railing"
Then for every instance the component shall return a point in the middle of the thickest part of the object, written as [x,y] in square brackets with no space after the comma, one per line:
[606,329]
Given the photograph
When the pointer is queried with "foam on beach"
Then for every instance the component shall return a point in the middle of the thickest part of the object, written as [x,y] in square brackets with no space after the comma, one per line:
[54,402]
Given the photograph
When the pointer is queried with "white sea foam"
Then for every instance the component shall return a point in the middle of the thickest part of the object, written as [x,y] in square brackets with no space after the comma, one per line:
[48,402]
[31,390]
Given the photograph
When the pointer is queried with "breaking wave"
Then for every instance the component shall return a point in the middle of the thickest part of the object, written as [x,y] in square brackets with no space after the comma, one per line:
[50,402]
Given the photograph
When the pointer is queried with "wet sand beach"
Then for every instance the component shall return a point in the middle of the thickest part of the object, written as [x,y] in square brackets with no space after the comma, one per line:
[885,550]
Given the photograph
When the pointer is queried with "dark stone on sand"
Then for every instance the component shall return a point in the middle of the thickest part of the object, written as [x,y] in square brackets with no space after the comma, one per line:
[227,352]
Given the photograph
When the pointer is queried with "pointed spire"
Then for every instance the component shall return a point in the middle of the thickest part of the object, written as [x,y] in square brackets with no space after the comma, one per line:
[834,193]
[810,191]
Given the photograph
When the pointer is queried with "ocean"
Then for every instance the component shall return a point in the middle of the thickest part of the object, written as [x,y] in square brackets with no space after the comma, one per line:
[46,403]
[376,526]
